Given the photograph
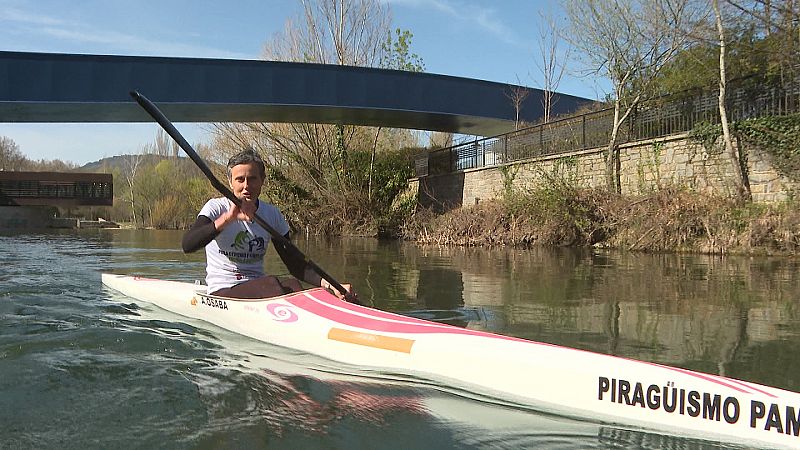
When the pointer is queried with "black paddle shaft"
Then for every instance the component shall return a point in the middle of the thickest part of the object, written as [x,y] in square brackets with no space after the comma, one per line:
[278,238]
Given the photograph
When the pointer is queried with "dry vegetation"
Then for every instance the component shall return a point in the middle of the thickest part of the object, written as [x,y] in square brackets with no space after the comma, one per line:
[665,221]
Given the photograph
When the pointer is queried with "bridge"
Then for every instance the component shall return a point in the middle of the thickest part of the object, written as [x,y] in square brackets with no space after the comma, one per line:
[50,87]
[56,189]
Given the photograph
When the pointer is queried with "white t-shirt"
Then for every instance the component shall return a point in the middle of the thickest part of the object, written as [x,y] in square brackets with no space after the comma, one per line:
[237,253]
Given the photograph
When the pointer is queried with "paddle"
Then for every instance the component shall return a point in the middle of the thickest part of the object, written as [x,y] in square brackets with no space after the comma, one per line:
[277,238]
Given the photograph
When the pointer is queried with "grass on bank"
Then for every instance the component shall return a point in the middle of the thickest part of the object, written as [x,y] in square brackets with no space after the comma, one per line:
[670,220]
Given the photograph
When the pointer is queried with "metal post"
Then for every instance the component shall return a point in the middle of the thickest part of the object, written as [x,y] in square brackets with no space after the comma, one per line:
[583,131]
[541,140]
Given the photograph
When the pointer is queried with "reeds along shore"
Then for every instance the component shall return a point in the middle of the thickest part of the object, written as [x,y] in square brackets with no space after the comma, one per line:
[670,220]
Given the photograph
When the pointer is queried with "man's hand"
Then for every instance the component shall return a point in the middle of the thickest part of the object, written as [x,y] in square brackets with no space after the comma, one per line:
[349,296]
[245,212]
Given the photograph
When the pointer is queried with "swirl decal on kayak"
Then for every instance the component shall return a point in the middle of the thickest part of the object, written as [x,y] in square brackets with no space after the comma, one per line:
[282,313]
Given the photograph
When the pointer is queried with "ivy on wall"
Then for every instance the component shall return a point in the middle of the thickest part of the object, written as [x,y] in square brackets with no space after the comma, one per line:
[779,136]
[706,134]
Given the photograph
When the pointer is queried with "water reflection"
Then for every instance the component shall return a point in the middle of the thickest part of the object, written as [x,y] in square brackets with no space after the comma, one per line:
[733,316]
[97,369]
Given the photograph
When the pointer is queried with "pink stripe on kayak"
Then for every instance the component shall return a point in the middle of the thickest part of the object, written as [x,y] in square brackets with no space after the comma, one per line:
[326,305]
[750,386]
[325,297]
[723,381]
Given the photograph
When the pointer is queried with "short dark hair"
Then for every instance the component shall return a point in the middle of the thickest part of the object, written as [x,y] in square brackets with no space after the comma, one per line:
[247,156]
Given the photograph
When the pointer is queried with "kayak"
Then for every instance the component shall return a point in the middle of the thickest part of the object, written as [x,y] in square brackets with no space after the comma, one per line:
[533,375]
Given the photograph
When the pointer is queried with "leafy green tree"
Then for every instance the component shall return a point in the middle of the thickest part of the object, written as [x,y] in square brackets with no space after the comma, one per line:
[752,51]
[776,27]
[396,52]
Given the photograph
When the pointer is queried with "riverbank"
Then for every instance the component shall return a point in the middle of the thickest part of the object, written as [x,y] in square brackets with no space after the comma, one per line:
[670,220]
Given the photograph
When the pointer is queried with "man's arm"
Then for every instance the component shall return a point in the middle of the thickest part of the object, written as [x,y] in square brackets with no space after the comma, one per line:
[199,235]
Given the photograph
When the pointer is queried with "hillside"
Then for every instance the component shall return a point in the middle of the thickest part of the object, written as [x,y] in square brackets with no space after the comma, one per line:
[124,162]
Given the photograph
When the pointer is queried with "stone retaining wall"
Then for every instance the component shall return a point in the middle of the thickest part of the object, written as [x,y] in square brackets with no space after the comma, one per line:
[644,167]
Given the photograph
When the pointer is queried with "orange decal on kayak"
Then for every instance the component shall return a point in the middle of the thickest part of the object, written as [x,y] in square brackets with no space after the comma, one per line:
[371,340]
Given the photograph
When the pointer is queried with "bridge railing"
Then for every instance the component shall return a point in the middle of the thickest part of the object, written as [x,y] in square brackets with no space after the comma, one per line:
[747,98]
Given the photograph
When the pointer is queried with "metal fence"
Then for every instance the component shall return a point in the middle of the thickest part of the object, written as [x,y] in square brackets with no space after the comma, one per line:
[747,98]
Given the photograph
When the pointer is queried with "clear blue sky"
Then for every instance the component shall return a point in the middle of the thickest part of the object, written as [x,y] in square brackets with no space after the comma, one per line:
[492,40]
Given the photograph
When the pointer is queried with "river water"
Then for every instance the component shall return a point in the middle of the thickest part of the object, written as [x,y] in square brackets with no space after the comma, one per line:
[84,367]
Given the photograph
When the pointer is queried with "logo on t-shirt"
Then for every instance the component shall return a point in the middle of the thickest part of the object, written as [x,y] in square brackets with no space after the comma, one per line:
[251,248]
[244,240]
[240,239]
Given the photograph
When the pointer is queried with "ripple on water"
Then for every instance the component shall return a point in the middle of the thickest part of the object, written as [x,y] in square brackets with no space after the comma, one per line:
[82,367]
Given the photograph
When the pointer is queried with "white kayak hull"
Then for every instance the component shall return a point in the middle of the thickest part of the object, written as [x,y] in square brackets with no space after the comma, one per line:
[544,377]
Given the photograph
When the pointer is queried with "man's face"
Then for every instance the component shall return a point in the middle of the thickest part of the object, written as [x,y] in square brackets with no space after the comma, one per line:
[246,181]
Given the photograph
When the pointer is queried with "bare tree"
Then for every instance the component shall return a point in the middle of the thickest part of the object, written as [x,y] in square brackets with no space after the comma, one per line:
[628,42]
[395,54]
[439,139]
[553,61]
[314,161]
[51,165]
[163,145]
[10,156]
[130,169]
[517,94]
[742,188]
[342,32]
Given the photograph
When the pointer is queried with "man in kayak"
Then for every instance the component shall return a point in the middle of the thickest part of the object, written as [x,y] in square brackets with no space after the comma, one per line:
[235,245]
